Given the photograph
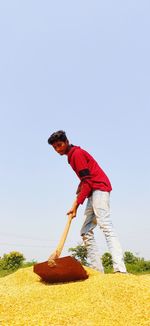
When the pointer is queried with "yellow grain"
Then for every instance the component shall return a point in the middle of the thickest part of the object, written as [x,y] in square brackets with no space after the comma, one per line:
[101,300]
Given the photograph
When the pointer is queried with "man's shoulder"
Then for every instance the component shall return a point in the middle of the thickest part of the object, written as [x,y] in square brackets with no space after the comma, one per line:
[77,151]
[74,151]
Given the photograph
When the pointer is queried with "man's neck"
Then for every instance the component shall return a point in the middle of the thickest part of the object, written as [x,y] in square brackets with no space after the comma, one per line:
[68,148]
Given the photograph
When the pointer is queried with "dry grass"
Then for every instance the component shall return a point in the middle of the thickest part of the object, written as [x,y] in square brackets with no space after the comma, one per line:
[110,299]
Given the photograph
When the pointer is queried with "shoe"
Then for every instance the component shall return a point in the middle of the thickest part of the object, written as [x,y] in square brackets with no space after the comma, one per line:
[126,273]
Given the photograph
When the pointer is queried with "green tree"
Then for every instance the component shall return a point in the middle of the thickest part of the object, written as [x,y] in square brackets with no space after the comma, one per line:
[107,260]
[1,263]
[12,261]
[129,258]
[80,253]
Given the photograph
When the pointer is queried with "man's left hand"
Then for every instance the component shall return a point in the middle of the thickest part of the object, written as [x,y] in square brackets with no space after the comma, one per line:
[73,210]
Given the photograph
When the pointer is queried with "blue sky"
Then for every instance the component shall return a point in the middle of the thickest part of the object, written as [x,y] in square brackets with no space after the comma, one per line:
[80,66]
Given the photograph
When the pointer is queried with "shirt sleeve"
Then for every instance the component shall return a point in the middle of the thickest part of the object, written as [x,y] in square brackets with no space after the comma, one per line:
[84,193]
[82,170]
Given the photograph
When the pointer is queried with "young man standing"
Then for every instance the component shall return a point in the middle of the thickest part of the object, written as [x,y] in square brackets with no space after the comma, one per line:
[96,187]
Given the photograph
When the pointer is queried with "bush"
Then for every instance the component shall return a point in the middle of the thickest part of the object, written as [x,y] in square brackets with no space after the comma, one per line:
[1,263]
[29,263]
[12,261]
[141,266]
[80,253]
[129,258]
[107,260]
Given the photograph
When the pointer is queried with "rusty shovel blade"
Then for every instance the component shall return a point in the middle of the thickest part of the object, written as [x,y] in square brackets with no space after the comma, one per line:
[66,269]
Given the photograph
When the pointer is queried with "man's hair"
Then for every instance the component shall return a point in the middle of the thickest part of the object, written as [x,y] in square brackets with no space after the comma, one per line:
[59,135]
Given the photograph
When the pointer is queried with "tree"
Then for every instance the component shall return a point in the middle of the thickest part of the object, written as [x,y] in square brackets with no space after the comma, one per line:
[80,253]
[107,260]
[12,261]
[129,258]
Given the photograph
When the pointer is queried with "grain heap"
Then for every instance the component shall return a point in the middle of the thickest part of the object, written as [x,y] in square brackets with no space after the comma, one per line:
[109,299]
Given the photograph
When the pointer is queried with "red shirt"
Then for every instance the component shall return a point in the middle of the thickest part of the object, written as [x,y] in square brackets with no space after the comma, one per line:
[89,172]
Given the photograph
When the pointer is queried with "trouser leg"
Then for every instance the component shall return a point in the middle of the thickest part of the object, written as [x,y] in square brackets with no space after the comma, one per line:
[88,238]
[100,202]
[92,251]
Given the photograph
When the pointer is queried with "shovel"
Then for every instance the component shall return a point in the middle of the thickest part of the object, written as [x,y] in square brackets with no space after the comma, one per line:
[64,269]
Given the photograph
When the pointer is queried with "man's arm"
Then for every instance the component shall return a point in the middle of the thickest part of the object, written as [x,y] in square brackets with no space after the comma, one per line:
[78,189]
[85,186]
[80,165]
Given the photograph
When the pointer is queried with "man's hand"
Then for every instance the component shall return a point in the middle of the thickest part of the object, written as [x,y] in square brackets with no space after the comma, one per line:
[51,259]
[73,210]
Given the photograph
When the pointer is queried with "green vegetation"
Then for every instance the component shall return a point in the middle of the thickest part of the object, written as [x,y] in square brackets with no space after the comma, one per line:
[133,263]
[9,263]
[80,253]
[136,264]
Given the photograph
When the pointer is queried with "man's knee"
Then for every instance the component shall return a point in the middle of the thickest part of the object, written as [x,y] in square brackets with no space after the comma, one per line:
[86,236]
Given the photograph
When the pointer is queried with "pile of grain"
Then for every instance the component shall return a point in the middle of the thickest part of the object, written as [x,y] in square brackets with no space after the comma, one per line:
[109,299]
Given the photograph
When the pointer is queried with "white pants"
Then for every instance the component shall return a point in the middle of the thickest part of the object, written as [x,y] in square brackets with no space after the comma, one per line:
[97,212]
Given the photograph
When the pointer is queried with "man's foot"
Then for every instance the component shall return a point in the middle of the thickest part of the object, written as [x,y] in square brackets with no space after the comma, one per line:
[126,273]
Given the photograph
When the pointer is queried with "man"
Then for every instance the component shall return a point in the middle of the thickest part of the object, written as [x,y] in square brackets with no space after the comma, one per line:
[96,187]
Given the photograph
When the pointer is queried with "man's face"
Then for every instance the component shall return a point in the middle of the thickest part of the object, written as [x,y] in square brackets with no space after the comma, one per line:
[61,147]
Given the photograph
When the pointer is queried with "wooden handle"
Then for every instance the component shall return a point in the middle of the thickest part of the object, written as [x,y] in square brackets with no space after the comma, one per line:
[64,236]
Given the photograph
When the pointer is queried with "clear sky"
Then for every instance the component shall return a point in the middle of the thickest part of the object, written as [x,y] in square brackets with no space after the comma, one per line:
[84,67]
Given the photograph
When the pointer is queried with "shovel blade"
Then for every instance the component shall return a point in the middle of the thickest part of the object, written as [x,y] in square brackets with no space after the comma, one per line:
[67,269]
